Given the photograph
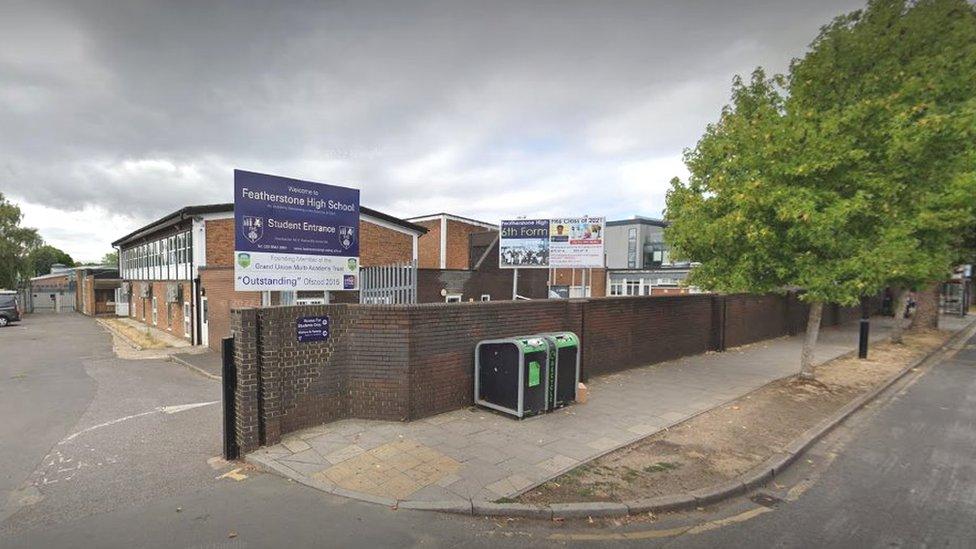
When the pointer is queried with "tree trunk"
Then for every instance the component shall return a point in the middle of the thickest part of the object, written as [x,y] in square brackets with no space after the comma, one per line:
[926,309]
[810,341]
[900,302]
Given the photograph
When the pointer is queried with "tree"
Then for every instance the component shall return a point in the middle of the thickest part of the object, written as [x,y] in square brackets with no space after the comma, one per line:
[43,257]
[901,78]
[853,172]
[16,243]
[771,204]
[110,259]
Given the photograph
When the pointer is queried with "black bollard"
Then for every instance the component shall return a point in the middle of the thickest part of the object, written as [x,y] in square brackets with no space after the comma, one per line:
[862,344]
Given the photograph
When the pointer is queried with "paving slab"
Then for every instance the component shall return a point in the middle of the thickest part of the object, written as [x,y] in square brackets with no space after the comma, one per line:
[478,454]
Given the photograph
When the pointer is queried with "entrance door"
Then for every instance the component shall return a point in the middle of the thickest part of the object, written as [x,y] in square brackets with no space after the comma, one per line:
[204,322]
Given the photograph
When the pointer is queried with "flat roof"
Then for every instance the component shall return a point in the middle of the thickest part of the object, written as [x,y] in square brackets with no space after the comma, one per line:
[461,218]
[190,211]
[638,220]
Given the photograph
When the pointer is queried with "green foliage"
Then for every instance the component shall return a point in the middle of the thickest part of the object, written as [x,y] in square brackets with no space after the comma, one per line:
[110,259]
[853,172]
[42,257]
[16,243]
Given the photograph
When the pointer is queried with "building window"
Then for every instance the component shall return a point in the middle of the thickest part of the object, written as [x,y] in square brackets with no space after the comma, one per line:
[633,287]
[616,288]
[453,298]
[155,312]
[485,297]
[632,248]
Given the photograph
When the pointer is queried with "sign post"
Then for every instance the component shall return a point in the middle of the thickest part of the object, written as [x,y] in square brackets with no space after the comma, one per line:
[294,235]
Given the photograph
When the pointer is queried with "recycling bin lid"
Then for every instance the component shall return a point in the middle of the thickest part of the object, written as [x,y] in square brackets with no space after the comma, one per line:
[564,339]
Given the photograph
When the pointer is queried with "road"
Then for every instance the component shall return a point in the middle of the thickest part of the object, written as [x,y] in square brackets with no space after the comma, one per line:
[900,473]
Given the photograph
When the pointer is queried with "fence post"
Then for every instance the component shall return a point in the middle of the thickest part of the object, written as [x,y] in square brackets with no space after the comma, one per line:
[229,382]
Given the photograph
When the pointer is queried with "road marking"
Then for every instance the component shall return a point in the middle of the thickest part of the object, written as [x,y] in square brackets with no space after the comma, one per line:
[666,532]
[158,409]
[184,407]
[234,474]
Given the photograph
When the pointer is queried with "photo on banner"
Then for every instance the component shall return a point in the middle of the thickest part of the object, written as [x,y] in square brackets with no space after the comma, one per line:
[565,242]
[294,235]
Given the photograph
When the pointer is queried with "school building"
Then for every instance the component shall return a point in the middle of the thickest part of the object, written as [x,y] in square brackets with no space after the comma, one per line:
[178,271]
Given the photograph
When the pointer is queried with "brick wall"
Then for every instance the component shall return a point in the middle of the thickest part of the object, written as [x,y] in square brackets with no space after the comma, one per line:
[429,245]
[405,362]
[381,246]
[623,332]
[169,315]
[457,243]
[220,242]
[217,284]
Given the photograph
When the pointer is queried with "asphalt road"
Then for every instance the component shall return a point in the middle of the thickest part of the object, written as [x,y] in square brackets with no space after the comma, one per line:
[900,473]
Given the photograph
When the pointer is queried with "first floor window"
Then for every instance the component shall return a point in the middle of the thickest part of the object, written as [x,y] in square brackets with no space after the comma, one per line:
[155,313]
[453,298]
[616,288]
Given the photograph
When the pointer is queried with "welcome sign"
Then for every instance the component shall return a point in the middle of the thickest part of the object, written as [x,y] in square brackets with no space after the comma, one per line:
[294,235]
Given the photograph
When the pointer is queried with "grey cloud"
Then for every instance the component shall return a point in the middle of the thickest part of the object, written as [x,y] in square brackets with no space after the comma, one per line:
[144,107]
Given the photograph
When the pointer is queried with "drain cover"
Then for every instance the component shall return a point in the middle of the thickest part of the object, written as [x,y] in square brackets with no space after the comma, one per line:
[765,499]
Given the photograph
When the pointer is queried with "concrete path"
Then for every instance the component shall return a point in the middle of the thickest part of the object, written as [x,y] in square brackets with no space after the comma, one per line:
[207,363]
[475,454]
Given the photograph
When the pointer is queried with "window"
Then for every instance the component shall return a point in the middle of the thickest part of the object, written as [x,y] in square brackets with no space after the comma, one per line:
[633,287]
[186,320]
[485,297]
[453,298]
[632,248]
[155,312]
[616,288]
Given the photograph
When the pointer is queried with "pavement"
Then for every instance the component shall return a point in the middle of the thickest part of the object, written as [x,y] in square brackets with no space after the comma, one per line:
[207,363]
[478,455]
[898,473]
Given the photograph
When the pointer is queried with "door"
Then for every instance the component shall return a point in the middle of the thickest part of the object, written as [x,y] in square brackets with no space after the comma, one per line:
[204,322]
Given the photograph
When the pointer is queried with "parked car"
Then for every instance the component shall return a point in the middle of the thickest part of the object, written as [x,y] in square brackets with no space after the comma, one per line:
[9,309]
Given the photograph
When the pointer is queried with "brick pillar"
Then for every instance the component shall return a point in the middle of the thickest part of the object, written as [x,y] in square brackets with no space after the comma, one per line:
[244,328]
[268,349]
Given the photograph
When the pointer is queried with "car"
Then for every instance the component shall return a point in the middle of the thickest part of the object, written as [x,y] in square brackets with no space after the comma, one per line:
[9,309]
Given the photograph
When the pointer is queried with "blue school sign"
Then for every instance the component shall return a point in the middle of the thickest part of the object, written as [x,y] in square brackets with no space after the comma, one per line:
[294,235]
[312,328]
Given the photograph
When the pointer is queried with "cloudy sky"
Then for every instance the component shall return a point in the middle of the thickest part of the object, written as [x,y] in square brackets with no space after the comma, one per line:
[112,115]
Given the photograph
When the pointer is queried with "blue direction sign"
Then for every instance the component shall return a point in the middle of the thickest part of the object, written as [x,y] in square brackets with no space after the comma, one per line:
[312,328]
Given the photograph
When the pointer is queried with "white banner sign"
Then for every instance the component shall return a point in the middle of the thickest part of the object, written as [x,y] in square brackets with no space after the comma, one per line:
[565,242]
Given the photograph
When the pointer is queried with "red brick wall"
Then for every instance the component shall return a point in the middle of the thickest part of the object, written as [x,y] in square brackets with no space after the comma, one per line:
[406,362]
[624,332]
[171,323]
[220,242]
[381,246]
[217,284]
[457,243]
[429,245]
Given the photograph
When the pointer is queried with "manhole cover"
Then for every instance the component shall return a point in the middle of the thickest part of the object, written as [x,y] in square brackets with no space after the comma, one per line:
[765,499]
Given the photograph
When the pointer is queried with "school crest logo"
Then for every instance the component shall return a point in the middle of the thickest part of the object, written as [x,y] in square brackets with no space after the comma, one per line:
[244,260]
[347,236]
[253,228]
